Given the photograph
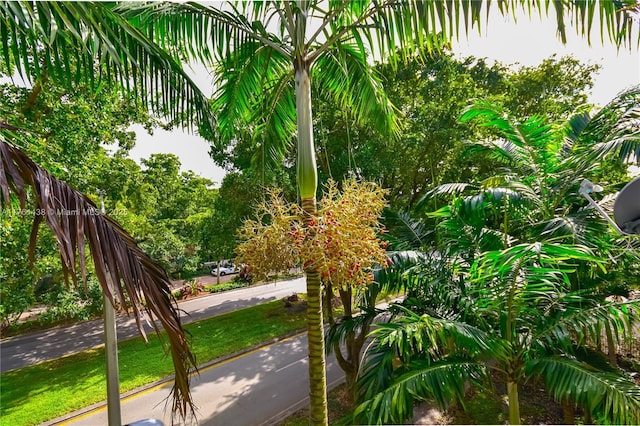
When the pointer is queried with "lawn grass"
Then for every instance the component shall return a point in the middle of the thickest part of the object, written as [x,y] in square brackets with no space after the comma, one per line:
[44,391]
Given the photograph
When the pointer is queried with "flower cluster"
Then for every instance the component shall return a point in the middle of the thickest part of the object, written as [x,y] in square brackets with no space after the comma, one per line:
[271,240]
[341,242]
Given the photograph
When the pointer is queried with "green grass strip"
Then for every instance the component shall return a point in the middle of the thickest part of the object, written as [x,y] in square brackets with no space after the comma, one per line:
[35,394]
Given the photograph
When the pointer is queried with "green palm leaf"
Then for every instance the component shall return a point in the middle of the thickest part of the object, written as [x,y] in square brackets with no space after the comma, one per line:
[257,89]
[583,319]
[613,131]
[616,398]
[344,74]
[92,43]
[405,233]
[442,380]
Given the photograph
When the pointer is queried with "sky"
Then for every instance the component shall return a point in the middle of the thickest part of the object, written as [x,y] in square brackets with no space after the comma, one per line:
[526,42]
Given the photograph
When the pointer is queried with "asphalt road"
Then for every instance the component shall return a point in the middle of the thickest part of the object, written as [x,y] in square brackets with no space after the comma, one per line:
[33,348]
[258,388]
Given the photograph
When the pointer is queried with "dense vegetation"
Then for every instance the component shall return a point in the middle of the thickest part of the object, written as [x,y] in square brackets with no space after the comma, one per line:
[507,274]
[527,261]
[164,209]
[182,221]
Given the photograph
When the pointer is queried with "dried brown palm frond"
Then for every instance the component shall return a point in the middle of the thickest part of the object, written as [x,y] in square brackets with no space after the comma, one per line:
[76,221]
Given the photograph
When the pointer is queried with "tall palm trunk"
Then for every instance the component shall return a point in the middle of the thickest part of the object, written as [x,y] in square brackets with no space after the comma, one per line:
[512,383]
[307,185]
[514,403]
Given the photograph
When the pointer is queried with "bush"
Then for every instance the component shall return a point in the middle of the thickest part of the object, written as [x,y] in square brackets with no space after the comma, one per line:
[64,304]
[14,300]
[230,285]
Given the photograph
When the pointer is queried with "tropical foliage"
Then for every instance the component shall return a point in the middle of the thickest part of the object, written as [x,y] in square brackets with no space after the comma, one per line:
[516,318]
[507,289]
[432,93]
[91,152]
[91,43]
[266,52]
[270,54]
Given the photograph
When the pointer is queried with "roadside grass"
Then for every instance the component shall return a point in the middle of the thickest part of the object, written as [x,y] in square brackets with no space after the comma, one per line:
[44,391]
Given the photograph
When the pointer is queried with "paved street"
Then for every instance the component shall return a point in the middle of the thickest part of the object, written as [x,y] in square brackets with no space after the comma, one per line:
[33,348]
[258,388]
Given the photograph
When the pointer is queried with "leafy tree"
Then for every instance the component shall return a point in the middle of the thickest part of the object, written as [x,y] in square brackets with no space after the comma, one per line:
[540,168]
[70,138]
[432,93]
[235,201]
[18,280]
[182,203]
[554,89]
[161,175]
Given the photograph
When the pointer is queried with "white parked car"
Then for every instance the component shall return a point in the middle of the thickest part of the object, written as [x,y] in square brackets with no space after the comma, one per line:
[224,270]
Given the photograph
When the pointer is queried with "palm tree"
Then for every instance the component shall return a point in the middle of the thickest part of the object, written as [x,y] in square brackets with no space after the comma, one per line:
[91,44]
[512,304]
[266,54]
[518,319]
[540,168]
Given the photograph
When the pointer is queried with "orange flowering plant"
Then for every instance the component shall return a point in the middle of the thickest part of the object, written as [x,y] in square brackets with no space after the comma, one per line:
[341,241]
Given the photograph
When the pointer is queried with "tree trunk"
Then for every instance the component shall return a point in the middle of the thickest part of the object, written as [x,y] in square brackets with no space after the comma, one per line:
[307,185]
[588,418]
[514,403]
[318,414]
[328,298]
[611,347]
[568,412]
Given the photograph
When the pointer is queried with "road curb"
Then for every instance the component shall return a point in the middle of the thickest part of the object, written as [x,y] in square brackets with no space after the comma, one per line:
[98,406]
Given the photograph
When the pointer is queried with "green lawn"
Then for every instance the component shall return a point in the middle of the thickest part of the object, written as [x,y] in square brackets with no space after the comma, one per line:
[41,392]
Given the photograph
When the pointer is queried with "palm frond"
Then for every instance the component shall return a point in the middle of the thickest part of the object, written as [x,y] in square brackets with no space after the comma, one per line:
[449,189]
[411,334]
[402,265]
[582,227]
[409,24]
[573,128]
[75,222]
[97,46]
[257,88]
[207,32]
[344,74]
[526,146]
[614,131]
[339,332]
[583,319]
[405,233]
[443,380]
[498,262]
[614,397]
